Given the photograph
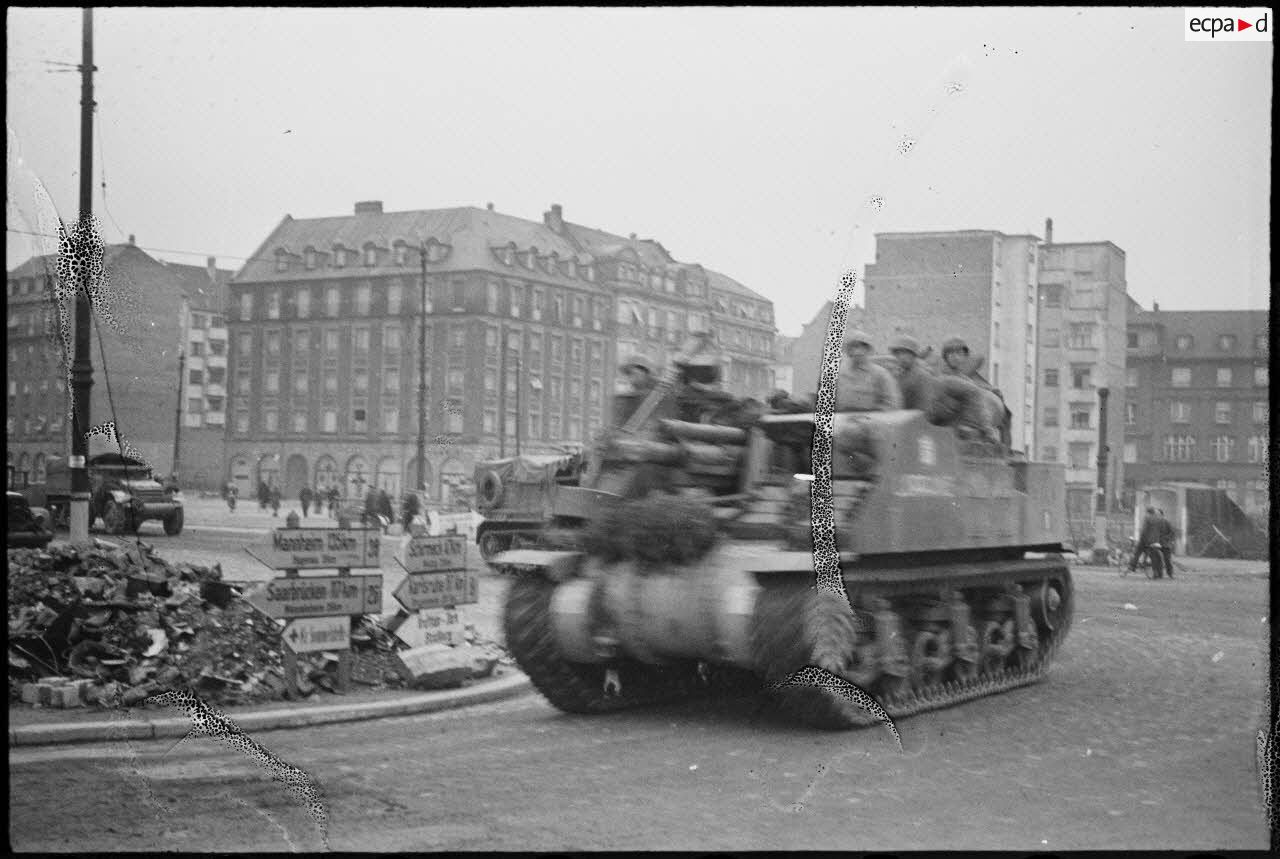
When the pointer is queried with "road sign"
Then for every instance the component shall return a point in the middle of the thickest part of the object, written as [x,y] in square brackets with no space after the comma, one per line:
[441,626]
[307,634]
[320,548]
[318,596]
[436,590]
[434,554]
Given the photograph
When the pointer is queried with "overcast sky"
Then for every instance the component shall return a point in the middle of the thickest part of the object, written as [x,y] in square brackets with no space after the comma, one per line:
[749,140]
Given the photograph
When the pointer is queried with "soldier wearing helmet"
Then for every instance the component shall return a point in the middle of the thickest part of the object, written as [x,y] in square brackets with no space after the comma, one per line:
[956,362]
[916,384]
[699,398]
[862,385]
[955,356]
[637,374]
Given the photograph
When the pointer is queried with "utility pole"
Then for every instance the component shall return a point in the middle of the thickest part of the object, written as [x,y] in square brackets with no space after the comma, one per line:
[519,412]
[81,367]
[422,375]
[502,398]
[177,414]
[1101,504]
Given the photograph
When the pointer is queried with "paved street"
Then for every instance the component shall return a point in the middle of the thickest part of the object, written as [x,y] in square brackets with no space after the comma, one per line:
[1142,737]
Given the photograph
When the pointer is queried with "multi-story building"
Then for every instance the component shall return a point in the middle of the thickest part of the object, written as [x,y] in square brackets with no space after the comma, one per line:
[1082,312]
[809,347]
[525,323]
[979,285]
[783,366]
[1197,407]
[144,302]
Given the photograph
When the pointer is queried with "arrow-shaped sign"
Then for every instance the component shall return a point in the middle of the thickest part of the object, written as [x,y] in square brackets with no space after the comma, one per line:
[308,634]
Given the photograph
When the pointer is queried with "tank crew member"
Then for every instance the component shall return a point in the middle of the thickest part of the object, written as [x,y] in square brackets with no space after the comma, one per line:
[638,375]
[956,362]
[915,383]
[864,386]
[699,398]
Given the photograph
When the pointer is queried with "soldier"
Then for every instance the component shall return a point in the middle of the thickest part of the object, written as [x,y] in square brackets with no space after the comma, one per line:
[638,375]
[916,385]
[699,397]
[864,386]
[956,362]
[304,496]
[1165,530]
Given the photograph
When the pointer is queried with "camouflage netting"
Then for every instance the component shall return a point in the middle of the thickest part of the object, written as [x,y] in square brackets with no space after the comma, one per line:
[658,531]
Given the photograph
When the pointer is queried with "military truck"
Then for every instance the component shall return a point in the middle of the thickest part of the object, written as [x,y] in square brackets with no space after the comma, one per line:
[517,497]
[123,493]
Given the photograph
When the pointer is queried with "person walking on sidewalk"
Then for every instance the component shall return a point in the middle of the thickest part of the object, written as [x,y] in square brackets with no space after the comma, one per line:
[1166,542]
[318,495]
[229,493]
[305,497]
[273,496]
[333,502]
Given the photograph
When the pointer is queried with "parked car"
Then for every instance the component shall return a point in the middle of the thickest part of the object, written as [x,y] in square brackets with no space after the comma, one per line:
[25,526]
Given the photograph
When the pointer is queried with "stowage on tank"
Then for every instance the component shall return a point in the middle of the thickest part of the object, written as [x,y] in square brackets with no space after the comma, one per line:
[694,570]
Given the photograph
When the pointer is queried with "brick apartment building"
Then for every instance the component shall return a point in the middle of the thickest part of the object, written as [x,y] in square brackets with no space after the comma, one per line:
[525,324]
[155,310]
[1197,407]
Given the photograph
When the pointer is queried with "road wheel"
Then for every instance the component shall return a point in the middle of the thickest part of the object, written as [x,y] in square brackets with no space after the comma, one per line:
[491,543]
[173,523]
[119,519]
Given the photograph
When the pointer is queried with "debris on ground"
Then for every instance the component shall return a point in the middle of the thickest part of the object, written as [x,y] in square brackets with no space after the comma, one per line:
[109,625]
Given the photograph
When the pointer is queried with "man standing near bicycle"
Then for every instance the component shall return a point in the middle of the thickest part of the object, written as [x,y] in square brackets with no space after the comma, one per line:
[1147,538]
[1166,543]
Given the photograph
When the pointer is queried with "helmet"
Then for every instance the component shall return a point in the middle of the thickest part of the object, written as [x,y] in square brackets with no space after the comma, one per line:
[857,336]
[703,367]
[905,343]
[954,344]
[636,361]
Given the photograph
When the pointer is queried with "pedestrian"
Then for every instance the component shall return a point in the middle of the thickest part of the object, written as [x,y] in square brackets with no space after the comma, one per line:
[264,495]
[230,494]
[333,501]
[385,512]
[318,495]
[915,384]
[273,496]
[1166,543]
[370,516]
[864,386]
[410,508]
[304,496]
[1148,535]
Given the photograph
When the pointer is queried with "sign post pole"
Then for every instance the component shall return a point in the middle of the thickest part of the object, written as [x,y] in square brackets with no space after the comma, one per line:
[290,657]
[344,656]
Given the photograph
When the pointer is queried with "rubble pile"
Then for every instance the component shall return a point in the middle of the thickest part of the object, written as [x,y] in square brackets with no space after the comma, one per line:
[111,625]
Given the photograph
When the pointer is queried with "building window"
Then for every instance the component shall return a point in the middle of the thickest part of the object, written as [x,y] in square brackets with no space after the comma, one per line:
[1050,338]
[331,381]
[332,300]
[1260,376]
[1224,377]
[539,302]
[302,302]
[1226,342]
[575,428]
[391,341]
[359,420]
[1183,342]
[1180,377]
[457,337]
[401,253]
[299,421]
[1257,448]
[273,343]
[1051,416]
[246,344]
[242,421]
[1080,417]
[282,261]
[370,255]
[217,347]
[246,305]
[391,380]
[1131,339]
[1130,414]
[455,381]
[516,300]
[195,405]
[1222,447]
[273,304]
[360,382]
[271,382]
[197,349]
[360,341]
[330,418]
[1180,412]
[1080,377]
[1049,454]
[489,421]
[1179,448]
[1130,452]
[1082,297]
[575,352]
[453,420]
[300,383]
[490,382]
[1051,378]
[271,420]
[1260,412]
[1131,377]
[1031,333]
[390,419]
[579,305]
[331,345]
[309,255]
[1261,344]
[195,377]
[1078,455]
[1080,336]
[1222,412]
[339,257]
[395,295]
[364,294]
[243,383]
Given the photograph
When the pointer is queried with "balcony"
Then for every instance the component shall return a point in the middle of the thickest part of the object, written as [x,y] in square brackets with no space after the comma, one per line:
[216,361]
[216,334]
[212,390]
[215,419]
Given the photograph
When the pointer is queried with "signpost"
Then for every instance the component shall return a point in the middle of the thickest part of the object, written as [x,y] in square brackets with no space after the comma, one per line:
[319,608]
[436,583]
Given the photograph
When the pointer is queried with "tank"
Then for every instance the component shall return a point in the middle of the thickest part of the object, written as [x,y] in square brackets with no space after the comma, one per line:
[694,570]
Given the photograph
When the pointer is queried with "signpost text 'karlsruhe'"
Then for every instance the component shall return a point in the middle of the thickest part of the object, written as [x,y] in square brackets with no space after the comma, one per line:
[319,608]
[436,583]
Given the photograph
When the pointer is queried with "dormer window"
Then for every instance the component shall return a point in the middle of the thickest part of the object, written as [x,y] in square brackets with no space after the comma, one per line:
[370,255]
[509,255]
[401,252]
[309,255]
[571,267]
[282,261]
[339,257]
[530,258]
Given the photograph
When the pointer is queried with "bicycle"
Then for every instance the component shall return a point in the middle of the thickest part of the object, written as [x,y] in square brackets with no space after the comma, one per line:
[1145,563]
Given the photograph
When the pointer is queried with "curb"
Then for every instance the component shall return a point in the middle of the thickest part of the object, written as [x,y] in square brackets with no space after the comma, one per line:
[269,720]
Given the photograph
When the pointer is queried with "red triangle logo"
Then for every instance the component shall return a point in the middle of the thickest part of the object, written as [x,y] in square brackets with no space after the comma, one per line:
[1242,25]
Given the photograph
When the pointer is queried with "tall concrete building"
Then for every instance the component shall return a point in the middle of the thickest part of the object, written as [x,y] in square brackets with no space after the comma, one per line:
[152,310]
[1198,406]
[1082,314]
[525,324]
[979,285]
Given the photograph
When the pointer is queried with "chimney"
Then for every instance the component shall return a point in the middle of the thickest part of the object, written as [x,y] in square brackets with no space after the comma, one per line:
[554,219]
[489,206]
[212,266]
[1048,231]
[369,207]
[633,237]
[131,241]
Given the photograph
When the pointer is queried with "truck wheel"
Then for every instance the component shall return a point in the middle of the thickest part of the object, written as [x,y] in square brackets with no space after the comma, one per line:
[491,543]
[118,519]
[173,523]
